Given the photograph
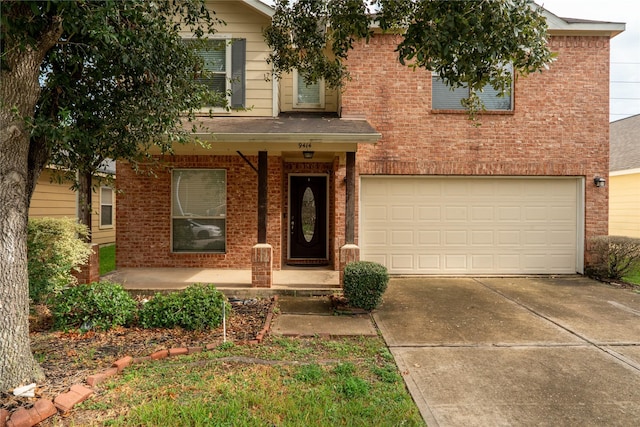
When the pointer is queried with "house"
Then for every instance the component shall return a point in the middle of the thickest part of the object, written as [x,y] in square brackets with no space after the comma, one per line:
[624,178]
[389,169]
[53,199]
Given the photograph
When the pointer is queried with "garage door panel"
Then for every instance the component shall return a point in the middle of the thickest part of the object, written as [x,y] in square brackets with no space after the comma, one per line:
[455,262]
[482,213]
[402,238]
[482,237]
[402,262]
[431,237]
[403,212]
[509,213]
[455,238]
[455,213]
[429,213]
[430,263]
[431,225]
[377,212]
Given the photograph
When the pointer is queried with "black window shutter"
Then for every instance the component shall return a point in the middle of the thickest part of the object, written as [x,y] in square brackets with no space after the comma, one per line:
[238,62]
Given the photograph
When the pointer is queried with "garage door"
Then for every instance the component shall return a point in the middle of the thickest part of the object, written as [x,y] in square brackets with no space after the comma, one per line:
[429,225]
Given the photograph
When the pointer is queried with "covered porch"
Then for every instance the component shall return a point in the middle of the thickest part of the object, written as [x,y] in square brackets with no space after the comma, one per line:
[304,281]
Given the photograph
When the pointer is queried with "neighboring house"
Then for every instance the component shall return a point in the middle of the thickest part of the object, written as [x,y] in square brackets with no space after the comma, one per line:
[389,169]
[57,200]
[624,178]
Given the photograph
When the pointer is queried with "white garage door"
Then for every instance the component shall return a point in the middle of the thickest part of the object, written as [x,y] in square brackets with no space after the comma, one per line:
[430,225]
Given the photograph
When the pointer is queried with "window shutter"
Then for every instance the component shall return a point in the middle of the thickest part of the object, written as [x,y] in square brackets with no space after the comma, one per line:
[238,62]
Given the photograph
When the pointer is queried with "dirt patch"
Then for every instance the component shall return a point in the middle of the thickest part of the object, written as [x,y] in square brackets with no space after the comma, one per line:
[68,358]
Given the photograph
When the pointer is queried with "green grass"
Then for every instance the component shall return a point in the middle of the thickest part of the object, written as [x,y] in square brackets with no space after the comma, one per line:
[633,277]
[283,382]
[107,259]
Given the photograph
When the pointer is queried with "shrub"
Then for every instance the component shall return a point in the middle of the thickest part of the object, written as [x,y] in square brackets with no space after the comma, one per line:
[198,307]
[614,257]
[364,284]
[100,305]
[55,247]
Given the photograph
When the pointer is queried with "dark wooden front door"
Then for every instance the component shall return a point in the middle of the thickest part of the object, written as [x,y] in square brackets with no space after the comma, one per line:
[308,217]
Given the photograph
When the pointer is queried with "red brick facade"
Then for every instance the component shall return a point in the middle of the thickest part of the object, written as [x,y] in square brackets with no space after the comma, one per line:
[144,214]
[144,227]
[559,127]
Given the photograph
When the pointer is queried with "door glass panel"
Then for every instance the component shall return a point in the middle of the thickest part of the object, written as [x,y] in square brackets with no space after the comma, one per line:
[308,214]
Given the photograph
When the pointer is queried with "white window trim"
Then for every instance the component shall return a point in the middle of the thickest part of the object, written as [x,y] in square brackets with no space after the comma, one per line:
[173,217]
[108,226]
[228,58]
[298,105]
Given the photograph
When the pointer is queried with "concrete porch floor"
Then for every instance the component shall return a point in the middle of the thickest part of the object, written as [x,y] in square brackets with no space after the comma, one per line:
[303,281]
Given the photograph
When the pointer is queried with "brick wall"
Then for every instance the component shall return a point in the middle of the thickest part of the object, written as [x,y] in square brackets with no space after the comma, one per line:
[144,214]
[559,126]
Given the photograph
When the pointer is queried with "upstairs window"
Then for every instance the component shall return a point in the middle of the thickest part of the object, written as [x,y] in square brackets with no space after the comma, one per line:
[307,95]
[224,62]
[445,97]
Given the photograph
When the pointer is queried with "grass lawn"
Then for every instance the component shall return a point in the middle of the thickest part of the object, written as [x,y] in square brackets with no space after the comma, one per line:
[107,259]
[634,277]
[282,382]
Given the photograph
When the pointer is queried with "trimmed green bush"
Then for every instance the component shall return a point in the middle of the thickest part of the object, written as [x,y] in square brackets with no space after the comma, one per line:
[364,284]
[101,305]
[613,257]
[55,247]
[198,307]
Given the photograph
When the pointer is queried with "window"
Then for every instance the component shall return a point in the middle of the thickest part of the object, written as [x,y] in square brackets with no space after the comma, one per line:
[199,209]
[106,207]
[224,61]
[444,97]
[307,96]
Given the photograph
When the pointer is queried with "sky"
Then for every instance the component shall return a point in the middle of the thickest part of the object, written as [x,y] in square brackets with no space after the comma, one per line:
[625,47]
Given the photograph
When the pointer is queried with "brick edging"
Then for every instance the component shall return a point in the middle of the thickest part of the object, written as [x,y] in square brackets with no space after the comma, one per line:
[78,393]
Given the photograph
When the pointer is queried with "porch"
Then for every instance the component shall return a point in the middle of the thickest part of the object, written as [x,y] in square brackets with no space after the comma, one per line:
[305,281]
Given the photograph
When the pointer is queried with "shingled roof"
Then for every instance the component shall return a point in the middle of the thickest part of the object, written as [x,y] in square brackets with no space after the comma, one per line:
[625,144]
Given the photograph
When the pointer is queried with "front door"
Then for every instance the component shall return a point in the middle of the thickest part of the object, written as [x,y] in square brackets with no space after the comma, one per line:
[308,217]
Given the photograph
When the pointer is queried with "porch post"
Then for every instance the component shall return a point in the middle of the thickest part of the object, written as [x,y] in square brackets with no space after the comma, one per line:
[349,222]
[350,252]
[262,196]
[262,253]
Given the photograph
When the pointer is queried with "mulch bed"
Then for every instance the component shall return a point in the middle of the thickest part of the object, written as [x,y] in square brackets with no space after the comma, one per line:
[68,358]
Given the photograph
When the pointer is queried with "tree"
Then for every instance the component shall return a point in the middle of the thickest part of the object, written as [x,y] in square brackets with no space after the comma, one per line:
[82,81]
[464,42]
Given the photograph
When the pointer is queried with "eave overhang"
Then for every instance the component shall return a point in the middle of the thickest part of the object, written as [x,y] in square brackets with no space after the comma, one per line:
[287,135]
[285,129]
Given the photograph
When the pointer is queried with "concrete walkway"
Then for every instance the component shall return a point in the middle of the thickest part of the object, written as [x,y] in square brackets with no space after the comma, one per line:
[548,351]
[313,316]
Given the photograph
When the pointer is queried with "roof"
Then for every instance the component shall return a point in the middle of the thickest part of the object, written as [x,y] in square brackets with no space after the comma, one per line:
[566,26]
[624,144]
[300,128]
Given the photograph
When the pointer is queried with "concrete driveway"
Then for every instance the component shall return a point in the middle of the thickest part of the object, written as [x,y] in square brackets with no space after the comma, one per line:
[543,351]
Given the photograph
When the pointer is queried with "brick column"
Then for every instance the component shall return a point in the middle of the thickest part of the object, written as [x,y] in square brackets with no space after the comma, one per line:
[348,253]
[90,272]
[262,266]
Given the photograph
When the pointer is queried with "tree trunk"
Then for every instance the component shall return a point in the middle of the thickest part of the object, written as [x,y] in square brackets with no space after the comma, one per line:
[85,181]
[19,91]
